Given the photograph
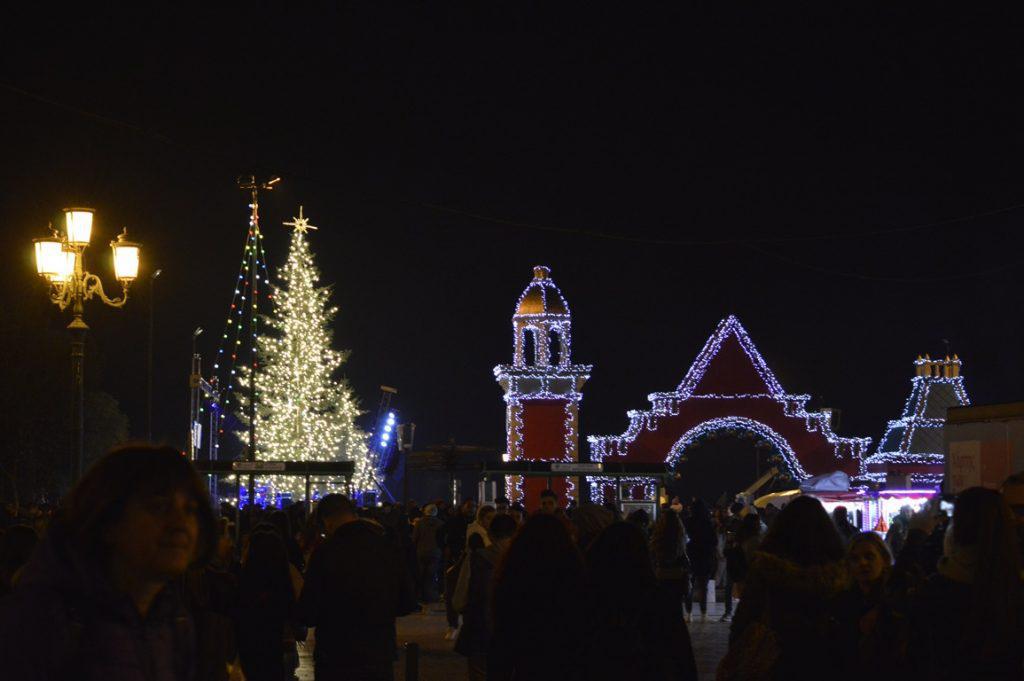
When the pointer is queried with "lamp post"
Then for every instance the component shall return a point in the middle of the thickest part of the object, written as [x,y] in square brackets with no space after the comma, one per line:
[60,260]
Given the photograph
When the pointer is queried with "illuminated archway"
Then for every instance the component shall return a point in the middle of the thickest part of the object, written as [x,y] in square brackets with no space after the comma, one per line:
[737,423]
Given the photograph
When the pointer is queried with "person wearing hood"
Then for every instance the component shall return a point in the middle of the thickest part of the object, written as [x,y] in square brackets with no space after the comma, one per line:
[428,552]
[968,620]
[98,599]
[786,624]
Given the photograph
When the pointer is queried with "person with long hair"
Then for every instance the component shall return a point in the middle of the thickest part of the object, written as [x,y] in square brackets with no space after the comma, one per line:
[872,614]
[785,622]
[633,628]
[99,597]
[968,620]
[266,607]
[701,550]
[472,596]
[537,603]
[668,550]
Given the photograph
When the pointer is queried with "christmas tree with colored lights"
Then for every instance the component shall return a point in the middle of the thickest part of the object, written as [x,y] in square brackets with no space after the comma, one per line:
[304,412]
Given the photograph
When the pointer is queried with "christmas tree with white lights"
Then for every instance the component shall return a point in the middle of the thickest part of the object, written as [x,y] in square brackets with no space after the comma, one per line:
[304,412]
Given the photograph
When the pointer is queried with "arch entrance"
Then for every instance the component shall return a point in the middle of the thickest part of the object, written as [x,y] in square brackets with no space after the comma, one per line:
[729,389]
[722,456]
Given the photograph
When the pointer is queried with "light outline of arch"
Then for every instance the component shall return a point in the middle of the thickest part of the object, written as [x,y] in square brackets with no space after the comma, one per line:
[741,423]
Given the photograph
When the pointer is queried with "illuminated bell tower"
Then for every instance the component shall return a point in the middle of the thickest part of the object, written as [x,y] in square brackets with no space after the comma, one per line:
[543,388]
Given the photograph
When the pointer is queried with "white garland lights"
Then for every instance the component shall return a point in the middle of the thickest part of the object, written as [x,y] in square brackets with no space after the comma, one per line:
[936,385]
[667,404]
[541,373]
[304,413]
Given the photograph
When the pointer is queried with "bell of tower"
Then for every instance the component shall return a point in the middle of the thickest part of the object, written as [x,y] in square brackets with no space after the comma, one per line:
[542,386]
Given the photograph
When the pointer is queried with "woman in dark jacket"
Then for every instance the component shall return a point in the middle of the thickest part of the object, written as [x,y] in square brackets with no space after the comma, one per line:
[633,628]
[97,599]
[968,620]
[266,607]
[668,550]
[871,611]
[786,625]
[701,550]
[537,605]
[472,597]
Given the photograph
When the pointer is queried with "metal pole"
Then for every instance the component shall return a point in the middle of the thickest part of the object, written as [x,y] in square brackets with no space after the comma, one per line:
[149,357]
[412,661]
[78,330]
[254,292]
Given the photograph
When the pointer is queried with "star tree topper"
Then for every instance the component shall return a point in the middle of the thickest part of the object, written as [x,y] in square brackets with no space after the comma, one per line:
[300,224]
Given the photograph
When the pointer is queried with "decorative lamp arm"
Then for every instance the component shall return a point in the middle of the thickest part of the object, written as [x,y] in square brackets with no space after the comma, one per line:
[92,285]
[61,294]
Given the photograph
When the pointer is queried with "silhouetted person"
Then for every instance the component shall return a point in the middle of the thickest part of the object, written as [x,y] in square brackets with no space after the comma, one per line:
[871,613]
[671,567]
[548,501]
[785,623]
[96,599]
[538,597]
[968,620]
[473,596]
[266,608]
[356,585]
[846,529]
[425,537]
[633,630]
[483,521]
[701,549]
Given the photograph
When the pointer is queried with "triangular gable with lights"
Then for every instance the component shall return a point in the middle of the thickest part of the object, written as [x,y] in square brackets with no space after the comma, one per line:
[717,371]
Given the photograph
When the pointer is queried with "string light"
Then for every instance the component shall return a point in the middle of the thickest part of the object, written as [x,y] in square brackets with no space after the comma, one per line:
[304,413]
[910,440]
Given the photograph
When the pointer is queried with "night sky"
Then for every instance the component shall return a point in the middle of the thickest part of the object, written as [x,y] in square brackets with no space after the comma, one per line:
[849,184]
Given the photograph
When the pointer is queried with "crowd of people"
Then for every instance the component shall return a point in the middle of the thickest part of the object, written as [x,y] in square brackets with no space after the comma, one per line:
[135,576]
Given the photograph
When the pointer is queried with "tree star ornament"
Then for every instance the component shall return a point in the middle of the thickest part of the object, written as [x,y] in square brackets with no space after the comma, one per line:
[300,224]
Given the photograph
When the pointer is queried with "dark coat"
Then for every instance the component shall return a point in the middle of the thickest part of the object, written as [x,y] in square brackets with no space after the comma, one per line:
[454,534]
[938,615]
[475,634]
[636,634]
[65,621]
[212,598]
[875,633]
[356,585]
[800,605]
[425,536]
[701,546]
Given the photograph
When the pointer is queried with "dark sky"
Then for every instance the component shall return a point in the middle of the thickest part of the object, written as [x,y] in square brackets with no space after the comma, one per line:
[829,156]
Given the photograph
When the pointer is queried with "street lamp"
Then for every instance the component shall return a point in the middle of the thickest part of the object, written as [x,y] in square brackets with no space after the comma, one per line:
[60,260]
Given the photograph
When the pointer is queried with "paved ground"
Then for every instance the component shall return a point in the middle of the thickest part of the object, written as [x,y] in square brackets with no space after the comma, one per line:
[438,662]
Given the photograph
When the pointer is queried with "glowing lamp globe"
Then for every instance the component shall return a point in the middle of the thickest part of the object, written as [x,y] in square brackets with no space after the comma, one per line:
[49,256]
[78,224]
[126,258]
